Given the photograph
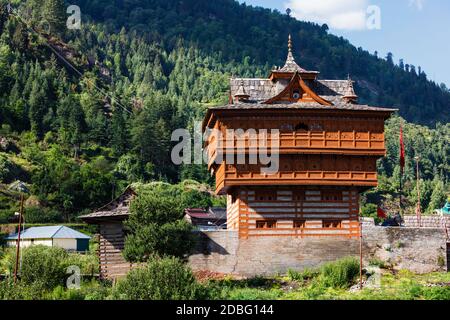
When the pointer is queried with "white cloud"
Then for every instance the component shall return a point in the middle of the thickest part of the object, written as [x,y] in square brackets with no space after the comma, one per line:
[417,3]
[337,14]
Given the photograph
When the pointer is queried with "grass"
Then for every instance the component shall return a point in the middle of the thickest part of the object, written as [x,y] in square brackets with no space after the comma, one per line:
[333,281]
[337,281]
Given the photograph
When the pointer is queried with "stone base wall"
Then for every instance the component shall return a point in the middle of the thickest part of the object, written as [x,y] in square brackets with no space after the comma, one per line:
[418,250]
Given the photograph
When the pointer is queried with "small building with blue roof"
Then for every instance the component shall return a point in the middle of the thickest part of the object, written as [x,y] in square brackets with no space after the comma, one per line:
[51,236]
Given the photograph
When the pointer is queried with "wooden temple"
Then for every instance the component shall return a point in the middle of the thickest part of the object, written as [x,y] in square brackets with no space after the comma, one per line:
[328,149]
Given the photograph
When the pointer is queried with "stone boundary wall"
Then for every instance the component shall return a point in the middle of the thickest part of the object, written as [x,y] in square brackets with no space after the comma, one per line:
[420,250]
[416,249]
[434,221]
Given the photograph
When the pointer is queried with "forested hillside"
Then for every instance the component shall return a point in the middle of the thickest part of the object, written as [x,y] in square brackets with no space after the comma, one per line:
[149,67]
[257,37]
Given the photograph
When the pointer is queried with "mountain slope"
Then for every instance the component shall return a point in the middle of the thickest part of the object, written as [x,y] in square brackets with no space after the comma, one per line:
[258,36]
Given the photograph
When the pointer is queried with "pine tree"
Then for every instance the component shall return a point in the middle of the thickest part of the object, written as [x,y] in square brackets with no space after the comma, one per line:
[438,196]
[54,14]
[119,133]
[37,108]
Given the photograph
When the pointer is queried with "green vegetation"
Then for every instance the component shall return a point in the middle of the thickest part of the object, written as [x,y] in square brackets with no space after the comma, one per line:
[44,273]
[336,281]
[160,279]
[162,64]
[170,278]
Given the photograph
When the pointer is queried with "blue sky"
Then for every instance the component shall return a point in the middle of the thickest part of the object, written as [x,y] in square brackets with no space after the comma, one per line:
[416,30]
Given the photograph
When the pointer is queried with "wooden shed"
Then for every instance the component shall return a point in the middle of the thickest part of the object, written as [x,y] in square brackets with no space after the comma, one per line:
[109,219]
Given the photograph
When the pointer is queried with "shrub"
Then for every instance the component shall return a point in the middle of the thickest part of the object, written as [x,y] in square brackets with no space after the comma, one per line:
[160,279]
[306,274]
[20,291]
[44,265]
[441,261]
[88,263]
[339,274]
[437,293]
[375,262]
[156,227]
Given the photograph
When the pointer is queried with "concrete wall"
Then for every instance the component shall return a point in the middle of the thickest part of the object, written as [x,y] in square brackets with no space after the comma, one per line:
[28,243]
[68,244]
[418,250]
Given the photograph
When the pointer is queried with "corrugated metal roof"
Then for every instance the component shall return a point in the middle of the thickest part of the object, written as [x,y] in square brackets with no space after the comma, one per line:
[50,232]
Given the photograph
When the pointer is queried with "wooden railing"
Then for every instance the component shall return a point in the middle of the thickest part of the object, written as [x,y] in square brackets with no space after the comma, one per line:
[352,143]
[226,177]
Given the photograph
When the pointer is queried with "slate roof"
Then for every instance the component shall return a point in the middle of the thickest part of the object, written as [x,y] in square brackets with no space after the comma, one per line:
[213,213]
[337,105]
[261,90]
[118,209]
[214,218]
[50,232]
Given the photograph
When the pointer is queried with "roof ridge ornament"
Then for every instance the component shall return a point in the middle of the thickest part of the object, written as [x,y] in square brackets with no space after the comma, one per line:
[241,95]
[350,95]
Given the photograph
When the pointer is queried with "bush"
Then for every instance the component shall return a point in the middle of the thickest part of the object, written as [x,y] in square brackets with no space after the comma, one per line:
[44,265]
[20,291]
[375,262]
[156,227]
[160,279]
[306,274]
[88,263]
[339,274]
[437,293]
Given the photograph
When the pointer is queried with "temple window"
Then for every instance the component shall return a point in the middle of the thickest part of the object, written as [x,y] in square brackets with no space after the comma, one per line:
[331,196]
[299,195]
[266,195]
[301,127]
[296,94]
[299,224]
[332,224]
[266,224]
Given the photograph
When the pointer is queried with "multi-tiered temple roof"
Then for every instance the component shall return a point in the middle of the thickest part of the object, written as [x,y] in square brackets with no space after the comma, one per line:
[293,87]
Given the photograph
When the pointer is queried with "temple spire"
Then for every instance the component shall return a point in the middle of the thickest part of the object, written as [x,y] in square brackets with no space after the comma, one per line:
[350,95]
[290,67]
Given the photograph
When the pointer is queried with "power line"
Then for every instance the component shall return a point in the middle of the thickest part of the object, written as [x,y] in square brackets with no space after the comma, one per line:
[16,13]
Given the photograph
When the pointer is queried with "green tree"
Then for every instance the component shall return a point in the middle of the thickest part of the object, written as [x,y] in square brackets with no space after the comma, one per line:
[54,13]
[156,227]
[438,197]
[38,107]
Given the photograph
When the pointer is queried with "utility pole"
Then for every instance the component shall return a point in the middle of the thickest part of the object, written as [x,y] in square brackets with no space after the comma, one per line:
[16,268]
[419,207]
